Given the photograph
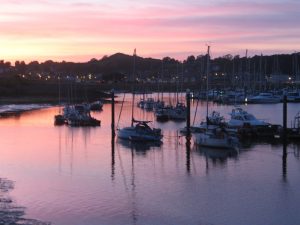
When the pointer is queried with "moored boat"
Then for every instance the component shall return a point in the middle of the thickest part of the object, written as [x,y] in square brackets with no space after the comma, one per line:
[79,115]
[59,120]
[241,118]
[96,106]
[264,98]
[216,138]
[293,96]
[178,113]
[293,133]
[140,131]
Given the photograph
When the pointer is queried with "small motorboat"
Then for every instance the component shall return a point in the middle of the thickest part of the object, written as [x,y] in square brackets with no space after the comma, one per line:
[240,118]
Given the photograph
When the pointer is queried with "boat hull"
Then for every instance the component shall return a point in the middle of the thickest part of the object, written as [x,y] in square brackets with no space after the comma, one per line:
[202,139]
[130,133]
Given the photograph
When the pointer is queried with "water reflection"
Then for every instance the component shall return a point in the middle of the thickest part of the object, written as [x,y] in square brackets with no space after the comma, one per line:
[284,161]
[216,155]
[89,178]
[130,187]
[133,192]
[139,148]
[113,157]
[70,141]
[10,213]
[251,143]
[188,154]
[296,150]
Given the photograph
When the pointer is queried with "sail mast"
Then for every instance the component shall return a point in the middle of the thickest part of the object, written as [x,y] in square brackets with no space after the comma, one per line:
[207,72]
[133,81]
[162,78]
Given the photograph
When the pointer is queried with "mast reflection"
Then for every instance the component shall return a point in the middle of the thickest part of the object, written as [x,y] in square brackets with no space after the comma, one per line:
[217,156]
[284,162]
[112,158]
[139,148]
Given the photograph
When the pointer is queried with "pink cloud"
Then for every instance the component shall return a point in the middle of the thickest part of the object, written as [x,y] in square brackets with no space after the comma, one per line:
[81,30]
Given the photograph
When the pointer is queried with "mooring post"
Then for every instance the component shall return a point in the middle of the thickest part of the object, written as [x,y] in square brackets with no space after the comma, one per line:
[188,130]
[284,135]
[188,115]
[113,114]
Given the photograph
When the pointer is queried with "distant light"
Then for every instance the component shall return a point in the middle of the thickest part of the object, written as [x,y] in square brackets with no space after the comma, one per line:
[246,99]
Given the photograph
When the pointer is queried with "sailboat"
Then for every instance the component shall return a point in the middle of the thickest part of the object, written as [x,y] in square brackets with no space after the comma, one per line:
[59,119]
[139,130]
[170,112]
[214,136]
[178,112]
[75,115]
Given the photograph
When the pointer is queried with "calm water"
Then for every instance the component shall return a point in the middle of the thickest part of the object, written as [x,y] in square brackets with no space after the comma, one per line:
[71,176]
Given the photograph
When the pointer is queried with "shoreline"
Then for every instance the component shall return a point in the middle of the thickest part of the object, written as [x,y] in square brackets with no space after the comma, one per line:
[15,106]
[13,110]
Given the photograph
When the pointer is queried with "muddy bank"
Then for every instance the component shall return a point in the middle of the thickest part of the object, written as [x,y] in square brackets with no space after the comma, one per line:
[10,212]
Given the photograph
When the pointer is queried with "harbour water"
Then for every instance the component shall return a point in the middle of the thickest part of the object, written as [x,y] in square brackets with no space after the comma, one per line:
[79,176]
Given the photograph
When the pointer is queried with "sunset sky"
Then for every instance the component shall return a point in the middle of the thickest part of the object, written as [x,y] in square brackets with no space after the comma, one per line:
[77,30]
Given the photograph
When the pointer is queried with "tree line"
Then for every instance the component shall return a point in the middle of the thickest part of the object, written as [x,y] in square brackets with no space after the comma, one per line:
[121,66]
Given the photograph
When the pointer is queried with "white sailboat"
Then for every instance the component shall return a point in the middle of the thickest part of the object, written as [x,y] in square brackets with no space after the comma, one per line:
[169,112]
[179,111]
[214,136]
[139,130]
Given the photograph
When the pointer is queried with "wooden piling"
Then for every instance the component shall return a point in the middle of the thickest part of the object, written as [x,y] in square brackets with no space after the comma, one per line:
[284,135]
[112,158]
[188,130]
[113,134]
[188,116]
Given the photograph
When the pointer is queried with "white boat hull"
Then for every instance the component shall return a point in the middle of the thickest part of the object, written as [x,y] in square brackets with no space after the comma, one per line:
[206,140]
[264,98]
[239,123]
[130,133]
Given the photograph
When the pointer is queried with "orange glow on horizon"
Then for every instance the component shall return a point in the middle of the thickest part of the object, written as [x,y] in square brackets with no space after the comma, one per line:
[71,31]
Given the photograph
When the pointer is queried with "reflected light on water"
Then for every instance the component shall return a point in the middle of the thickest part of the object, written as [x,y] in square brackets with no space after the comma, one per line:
[76,176]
